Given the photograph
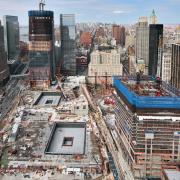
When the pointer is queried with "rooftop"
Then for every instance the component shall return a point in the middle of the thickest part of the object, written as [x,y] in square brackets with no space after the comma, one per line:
[147,93]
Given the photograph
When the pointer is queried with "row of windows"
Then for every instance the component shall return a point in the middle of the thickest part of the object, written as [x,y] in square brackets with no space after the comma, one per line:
[42,17]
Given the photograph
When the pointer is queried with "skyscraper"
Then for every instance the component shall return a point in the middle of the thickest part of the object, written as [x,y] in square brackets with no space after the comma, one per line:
[68,35]
[118,32]
[142,41]
[11,36]
[122,36]
[4,70]
[41,47]
[155,49]
[175,66]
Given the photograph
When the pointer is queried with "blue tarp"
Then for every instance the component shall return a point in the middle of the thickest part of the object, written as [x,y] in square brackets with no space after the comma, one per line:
[146,102]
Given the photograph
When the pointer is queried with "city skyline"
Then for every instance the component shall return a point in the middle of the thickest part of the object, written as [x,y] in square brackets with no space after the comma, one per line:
[109,11]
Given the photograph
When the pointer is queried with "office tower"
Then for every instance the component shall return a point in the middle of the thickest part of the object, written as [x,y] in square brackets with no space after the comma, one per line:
[4,70]
[118,32]
[11,36]
[68,35]
[166,62]
[122,36]
[175,66]
[153,18]
[142,41]
[166,65]
[155,49]
[41,47]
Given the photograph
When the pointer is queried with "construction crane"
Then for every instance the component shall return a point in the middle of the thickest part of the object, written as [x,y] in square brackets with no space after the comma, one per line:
[41,5]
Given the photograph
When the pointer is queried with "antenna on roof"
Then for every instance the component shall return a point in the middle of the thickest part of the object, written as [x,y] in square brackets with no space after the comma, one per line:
[41,5]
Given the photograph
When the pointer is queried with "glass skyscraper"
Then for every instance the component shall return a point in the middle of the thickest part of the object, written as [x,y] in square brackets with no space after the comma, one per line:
[4,70]
[41,48]
[11,36]
[68,35]
[155,49]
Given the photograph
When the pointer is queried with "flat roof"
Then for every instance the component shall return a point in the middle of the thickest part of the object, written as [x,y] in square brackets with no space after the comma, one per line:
[67,138]
[48,99]
[138,101]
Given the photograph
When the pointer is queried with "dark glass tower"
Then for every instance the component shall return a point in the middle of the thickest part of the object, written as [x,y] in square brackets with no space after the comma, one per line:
[155,49]
[4,70]
[68,35]
[11,36]
[41,48]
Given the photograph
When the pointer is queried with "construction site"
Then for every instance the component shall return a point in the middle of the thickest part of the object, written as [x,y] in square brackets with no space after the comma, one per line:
[147,124]
[53,130]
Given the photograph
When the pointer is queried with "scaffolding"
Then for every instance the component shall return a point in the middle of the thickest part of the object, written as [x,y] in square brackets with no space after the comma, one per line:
[149,141]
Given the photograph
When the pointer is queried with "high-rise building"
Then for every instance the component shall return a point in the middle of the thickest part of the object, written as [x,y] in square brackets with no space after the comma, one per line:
[153,18]
[166,66]
[68,35]
[155,49]
[142,41]
[122,36]
[175,66]
[4,70]
[149,45]
[118,32]
[41,47]
[11,36]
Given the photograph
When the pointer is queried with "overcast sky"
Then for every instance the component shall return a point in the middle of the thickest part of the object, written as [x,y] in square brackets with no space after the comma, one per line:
[113,11]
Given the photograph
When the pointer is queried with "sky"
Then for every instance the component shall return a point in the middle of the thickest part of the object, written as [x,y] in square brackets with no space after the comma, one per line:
[110,11]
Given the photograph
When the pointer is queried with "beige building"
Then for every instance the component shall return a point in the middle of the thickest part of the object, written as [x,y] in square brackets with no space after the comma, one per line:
[105,63]
[166,66]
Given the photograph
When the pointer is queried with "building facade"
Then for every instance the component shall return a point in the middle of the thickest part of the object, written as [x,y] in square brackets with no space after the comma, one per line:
[166,66]
[11,36]
[147,126]
[41,48]
[155,49]
[4,70]
[118,33]
[85,39]
[68,35]
[105,63]
[142,41]
[175,66]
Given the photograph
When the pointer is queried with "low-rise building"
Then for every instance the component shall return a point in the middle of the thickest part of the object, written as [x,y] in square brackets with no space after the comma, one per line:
[105,63]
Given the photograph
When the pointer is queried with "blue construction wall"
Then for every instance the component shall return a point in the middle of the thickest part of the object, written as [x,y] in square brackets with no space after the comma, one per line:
[144,101]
